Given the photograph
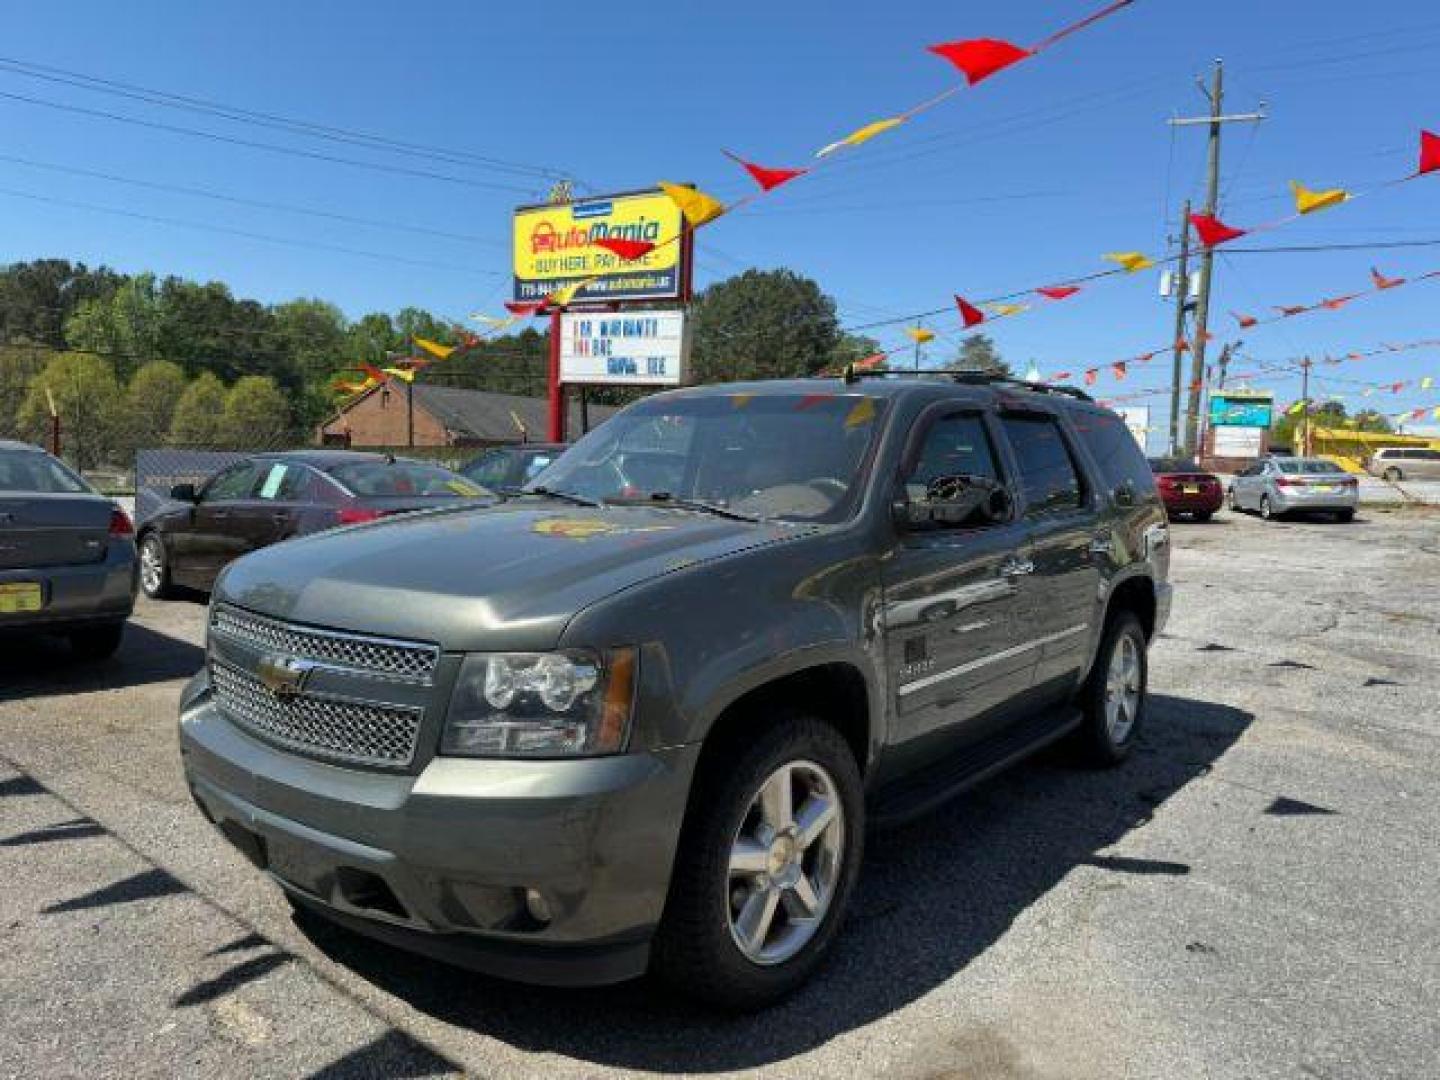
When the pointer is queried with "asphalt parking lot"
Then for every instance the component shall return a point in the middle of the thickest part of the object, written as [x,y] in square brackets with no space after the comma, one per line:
[1255,894]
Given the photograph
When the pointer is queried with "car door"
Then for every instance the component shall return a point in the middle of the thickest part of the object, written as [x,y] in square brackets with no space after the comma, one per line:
[1065,545]
[1426,464]
[217,525]
[1243,485]
[951,595]
[275,512]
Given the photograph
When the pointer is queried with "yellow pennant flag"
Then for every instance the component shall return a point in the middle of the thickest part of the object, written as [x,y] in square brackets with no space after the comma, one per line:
[563,297]
[493,322]
[1427,382]
[862,413]
[1003,310]
[1308,202]
[1437,412]
[434,348]
[404,374]
[919,334]
[1296,409]
[697,207]
[862,135]
[1131,261]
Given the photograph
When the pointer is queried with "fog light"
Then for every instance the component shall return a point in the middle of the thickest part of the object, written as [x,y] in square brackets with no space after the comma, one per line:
[537,906]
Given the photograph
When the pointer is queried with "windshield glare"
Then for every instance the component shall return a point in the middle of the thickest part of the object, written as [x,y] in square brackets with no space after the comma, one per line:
[790,456]
[25,470]
[405,478]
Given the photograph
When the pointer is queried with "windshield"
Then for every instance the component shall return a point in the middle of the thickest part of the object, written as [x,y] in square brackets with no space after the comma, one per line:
[791,456]
[25,470]
[1173,465]
[1309,466]
[405,478]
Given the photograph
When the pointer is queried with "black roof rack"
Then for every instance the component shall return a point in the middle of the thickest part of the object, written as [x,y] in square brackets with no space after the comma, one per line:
[971,378]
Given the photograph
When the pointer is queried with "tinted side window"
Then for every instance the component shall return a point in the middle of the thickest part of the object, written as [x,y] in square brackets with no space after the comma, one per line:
[235,482]
[490,469]
[1048,473]
[1115,451]
[283,482]
[955,454]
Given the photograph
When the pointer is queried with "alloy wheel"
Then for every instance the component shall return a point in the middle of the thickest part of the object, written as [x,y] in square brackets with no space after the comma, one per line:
[785,863]
[152,565]
[1265,511]
[1122,689]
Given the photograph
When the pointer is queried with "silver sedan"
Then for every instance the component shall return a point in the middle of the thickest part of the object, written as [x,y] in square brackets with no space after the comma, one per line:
[1284,485]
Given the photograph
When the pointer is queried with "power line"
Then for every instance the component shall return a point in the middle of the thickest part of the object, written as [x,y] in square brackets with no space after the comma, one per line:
[274,148]
[271,120]
[266,237]
[259,203]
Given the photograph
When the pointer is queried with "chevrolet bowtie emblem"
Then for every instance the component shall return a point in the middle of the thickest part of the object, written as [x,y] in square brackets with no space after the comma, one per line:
[284,676]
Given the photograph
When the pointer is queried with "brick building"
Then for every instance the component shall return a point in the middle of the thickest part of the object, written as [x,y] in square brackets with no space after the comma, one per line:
[444,416]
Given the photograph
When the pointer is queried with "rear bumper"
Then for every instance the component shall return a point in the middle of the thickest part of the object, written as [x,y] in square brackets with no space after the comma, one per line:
[440,862]
[1205,502]
[1287,501]
[79,595]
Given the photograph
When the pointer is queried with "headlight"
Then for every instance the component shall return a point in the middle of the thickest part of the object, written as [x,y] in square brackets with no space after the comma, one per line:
[562,704]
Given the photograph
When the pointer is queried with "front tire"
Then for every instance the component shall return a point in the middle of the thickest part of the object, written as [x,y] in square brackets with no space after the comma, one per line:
[1114,697]
[1393,474]
[155,567]
[1202,516]
[1266,510]
[1344,516]
[768,859]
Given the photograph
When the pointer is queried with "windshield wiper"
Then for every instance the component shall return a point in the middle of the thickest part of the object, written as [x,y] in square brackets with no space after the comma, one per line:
[565,496]
[688,504]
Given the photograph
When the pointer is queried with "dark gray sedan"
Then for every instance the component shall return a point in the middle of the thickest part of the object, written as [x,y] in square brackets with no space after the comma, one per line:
[67,554]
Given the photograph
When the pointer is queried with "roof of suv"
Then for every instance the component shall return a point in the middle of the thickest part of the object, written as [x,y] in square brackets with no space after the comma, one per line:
[895,385]
[12,444]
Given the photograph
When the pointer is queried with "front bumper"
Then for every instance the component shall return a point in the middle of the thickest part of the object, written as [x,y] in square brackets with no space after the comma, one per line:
[79,595]
[440,862]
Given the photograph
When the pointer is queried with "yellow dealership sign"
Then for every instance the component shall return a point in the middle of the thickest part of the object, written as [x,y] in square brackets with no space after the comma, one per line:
[554,246]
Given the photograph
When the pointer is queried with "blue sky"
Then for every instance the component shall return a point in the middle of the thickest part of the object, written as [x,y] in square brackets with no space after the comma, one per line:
[1025,180]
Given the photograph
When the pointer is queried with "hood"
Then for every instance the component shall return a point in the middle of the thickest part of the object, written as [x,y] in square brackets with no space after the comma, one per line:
[505,577]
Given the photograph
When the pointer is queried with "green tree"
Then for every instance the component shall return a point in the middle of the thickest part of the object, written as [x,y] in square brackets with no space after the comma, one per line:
[762,324]
[850,348]
[150,403]
[199,411]
[125,324]
[18,365]
[36,298]
[413,322]
[371,338]
[978,353]
[256,415]
[86,397]
[1326,414]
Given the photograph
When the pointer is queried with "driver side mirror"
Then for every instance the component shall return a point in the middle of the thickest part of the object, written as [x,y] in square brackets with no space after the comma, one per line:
[1125,494]
[975,508]
[183,493]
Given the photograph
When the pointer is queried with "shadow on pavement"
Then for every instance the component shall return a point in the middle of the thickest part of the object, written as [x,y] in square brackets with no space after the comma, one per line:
[35,665]
[933,896]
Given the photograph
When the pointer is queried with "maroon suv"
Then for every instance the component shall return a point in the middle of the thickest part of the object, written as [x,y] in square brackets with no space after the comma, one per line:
[1186,489]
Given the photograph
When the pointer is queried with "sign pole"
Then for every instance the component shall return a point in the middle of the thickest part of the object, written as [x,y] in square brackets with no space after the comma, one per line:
[557,390]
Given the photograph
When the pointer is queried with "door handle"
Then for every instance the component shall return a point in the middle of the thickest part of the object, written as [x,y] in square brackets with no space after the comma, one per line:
[1016,567]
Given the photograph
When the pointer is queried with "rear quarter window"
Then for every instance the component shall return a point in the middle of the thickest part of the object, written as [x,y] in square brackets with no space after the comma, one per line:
[1115,450]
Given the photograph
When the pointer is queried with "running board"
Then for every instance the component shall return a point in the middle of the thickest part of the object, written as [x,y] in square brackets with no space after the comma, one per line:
[920,792]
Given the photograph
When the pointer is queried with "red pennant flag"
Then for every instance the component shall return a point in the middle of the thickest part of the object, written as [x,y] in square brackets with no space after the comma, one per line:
[1145,358]
[1429,153]
[1196,384]
[1419,414]
[1120,370]
[1286,312]
[1182,345]
[1206,336]
[1395,388]
[629,250]
[373,372]
[1382,282]
[526,307]
[1058,292]
[1335,303]
[1245,321]
[980,58]
[1059,376]
[1212,231]
[768,179]
[872,361]
[1090,376]
[970,315]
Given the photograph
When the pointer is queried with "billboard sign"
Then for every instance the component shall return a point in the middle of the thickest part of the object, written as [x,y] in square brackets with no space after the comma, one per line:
[637,348]
[1236,442]
[1241,408]
[554,246]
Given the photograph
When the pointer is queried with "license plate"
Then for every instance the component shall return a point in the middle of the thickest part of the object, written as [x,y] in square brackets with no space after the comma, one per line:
[19,596]
[1323,489]
[1190,489]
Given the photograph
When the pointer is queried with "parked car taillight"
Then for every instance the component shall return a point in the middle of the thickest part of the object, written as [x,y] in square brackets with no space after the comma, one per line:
[120,525]
[1282,481]
[354,515]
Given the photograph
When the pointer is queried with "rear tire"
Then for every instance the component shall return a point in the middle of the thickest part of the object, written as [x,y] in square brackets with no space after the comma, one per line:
[1344,516]
[96,642]
[1266,510]
[1393,474]
[1115,695]
[719,899]
[1202,516]
[155,567]
[1230,503]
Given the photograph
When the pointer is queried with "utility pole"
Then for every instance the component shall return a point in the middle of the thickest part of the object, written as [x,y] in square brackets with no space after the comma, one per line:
[921,325]
[1216,122]
[1305,403]
[1182,297]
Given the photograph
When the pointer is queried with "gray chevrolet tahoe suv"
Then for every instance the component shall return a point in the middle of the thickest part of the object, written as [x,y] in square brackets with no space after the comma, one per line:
[639,717]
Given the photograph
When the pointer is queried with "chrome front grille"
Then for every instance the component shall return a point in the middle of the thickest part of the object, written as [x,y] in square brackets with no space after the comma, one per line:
[357,732]
[410,661]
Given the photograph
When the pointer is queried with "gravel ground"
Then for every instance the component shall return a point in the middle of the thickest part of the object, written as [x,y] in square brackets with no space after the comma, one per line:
[1253,895]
